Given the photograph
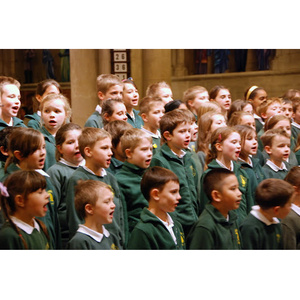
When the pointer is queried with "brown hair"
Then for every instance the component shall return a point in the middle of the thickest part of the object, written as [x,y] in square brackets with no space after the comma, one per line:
[106,81]
[5,80]
[152,90]
[147,103]
[268,136]
[108,107]
[191,93]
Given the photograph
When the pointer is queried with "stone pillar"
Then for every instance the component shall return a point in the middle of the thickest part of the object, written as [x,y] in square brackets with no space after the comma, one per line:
[84,71]
[156,66]
[104,61]
[179,68]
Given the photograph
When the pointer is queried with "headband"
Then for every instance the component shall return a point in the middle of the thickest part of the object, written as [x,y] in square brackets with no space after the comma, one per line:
[250,91]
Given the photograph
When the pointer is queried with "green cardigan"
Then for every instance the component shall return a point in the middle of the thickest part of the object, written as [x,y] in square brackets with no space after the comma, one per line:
[94,120]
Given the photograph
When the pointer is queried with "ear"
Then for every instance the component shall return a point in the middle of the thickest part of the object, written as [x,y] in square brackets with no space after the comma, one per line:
[216,196]
[190,103]
[106,117]
[154,194]
[59,148]
[144,117]
[276,209]
[18,155]
[100,96]
[89,209]
[128,153]
[38,98]
[263,115]
[87,151]
[3,151]
[268,149]
[219,147]
[167,135]
[19,201]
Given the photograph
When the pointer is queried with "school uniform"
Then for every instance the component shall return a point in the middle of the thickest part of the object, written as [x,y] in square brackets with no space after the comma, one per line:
[50,148]
[51,218]
[213,231]
[152,233]
[88,239]
[291,229]
[184,167]
[272,171]
[259,123]
[295,128]
[117,227]
[34,120]
[258,233]
[202,157]
[156,139]
[129,180]
[136,120]
[59,175]
[95,119]
[34,236]
[244,186]
[16,122]
[115,166]
[292,159]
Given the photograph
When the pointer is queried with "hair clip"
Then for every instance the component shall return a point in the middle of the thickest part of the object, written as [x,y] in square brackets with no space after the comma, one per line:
[219,138]
[129,78]
[3,190]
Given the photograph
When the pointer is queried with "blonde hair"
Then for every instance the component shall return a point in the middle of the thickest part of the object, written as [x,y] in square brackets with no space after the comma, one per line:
[5,80]
[191,93]
[106,81]
[152,90]
[147,103]
[208,106]
[262,108]
[268,137]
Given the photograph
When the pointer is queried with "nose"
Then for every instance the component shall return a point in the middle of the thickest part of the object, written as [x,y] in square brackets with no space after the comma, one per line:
[113,205]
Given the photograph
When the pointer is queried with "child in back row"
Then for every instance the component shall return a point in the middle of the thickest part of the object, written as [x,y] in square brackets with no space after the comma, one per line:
[94,203]
[151,111]
[113,109]
[217,226]
[68,159]
[21,204]
[137,146]
[160,89]
[108,86]
[95,148]
[261,230]
[173,155]
[156,230]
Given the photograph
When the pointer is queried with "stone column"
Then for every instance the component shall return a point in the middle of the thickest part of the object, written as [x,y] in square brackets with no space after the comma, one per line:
[83,74]
[179,68]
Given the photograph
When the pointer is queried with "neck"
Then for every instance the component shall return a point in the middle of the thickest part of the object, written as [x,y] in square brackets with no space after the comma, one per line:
[91,223]
[6,119]
[96,169]
[158,212]
[245,157]
[174,149]
[129,110]
[150,128]
[119,157]
[51,131]
[22,215]
[226,162]
[296,199]
[267,213]
[277,162]
[223,211]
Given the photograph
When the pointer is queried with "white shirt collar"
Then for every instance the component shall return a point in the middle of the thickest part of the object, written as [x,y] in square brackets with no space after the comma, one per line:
[157,135]
[65,162]
[257,214]
[250,164]
[222,165]
[181,155]
[274,167]
[296,209]
[39,113]
[42,172]
[257,117]
[24,226]
[103,171]
[296,124]
[97,236]
[169,225]
[98,109]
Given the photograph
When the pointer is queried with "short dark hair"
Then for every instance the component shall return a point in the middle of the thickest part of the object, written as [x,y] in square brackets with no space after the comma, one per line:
[273,192]
[214,180]
[156,178]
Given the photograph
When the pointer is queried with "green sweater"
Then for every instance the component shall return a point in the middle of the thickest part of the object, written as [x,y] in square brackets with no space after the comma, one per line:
[115,166]
[271,173]
[33,121]
[137,121]
[59,176]
[16,123]
[129,180]
[117,227]
[187,211]
[10,239]
[244,186]
[151,234]
[257,235]
[94,120]
[213,232]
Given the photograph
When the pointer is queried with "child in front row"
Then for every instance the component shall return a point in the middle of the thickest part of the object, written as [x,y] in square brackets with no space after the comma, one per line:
[21,204]
[261,230]
[95,147]
[137,146]
[217,226]
[94,202]
[156,229]
[173,155]
[277,145]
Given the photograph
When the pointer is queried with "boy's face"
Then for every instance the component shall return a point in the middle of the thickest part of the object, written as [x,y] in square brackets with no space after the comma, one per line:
[280,149]
[166,94]
[101,153]
[287,110]
[10,99]
[230,196]
[250,144]
[153,116]
[198,100]
[180,138]
[140,156]
[296,115]
[169,197]
[248,120]
[272,110]
[104,207]
[115,91]
[285,125]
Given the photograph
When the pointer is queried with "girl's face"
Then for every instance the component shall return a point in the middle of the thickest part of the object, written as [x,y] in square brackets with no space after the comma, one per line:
[248,120]
[250,144]
[119,113]
[272,110]
[194,131]
[217,121]
[224,99]
[51,89]
[10,100]
[36,203]
[53,115]
[285,125]
[166,94]
[198,100]
[287,110]
[248,108]
[230,148]
[260,96]
[36,160]
[70,149]
[130,95]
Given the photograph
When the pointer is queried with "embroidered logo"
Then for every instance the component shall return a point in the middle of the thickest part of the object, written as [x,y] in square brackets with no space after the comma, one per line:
[193,171]
[243,180]
[237,236]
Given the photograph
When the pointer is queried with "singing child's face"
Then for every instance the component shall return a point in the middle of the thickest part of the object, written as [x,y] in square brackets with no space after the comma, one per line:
[250,144]
[287,110]
[180,137]
[280,149]
[166,94]
[101,153]
[285,125]
[53,115]
[169,197]
[198,100]
[231,147]
[119,113]
[10,100]
[153,116]
[248,120]
[224,99]
[217,121]
[36,203]
[130,95]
